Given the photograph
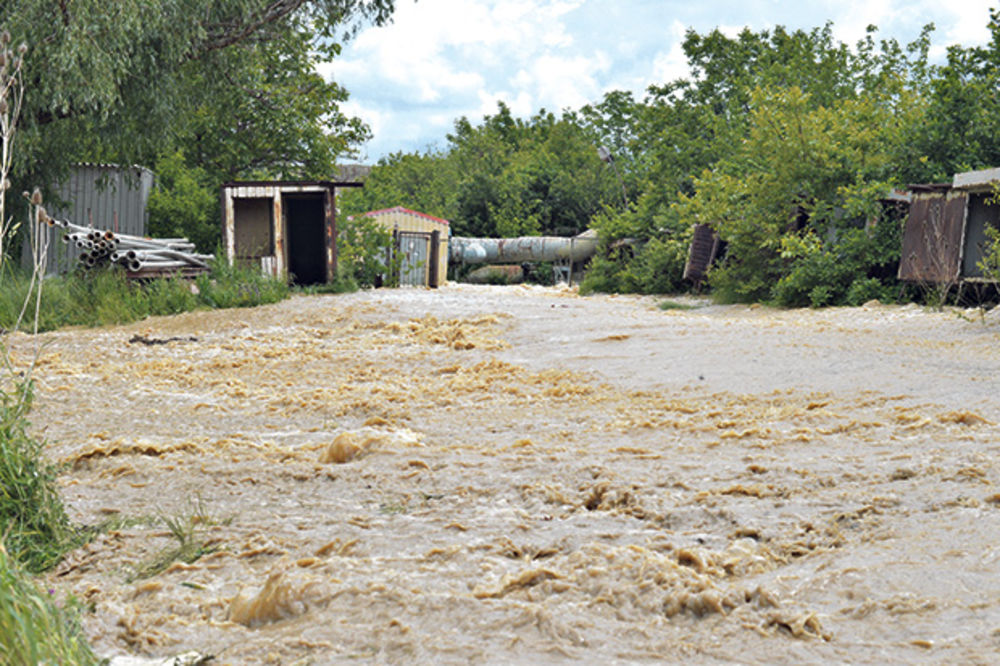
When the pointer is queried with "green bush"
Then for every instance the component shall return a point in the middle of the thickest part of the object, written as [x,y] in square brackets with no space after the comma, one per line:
[655,268]
[863,290]
[816,277]
[604,275]
[229,286]
[363,250]
[184,203]
[658,268]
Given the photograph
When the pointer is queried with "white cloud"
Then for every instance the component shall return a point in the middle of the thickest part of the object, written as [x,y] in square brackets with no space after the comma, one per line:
[851,19]
[967,22]
[672,64]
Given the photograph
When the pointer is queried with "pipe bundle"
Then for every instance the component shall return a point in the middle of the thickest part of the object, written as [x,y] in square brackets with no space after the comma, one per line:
[141,257]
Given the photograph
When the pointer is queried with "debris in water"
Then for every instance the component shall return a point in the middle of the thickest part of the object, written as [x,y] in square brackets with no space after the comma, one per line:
[349,445]
[149,342]
[281,597]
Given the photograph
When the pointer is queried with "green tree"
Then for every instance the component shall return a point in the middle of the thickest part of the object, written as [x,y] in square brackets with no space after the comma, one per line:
[184,203]
[418,181]
[130,81]
[774,130]
[960,129]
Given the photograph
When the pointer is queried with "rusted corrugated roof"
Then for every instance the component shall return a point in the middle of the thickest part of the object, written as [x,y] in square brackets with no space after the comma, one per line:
[353,173]
[929,187]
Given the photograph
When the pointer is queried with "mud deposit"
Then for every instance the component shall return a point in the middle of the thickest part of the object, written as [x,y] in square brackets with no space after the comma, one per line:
[519,475]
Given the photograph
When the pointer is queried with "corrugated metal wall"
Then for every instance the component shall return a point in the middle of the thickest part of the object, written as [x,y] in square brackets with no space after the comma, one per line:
[99,195]
[932,236]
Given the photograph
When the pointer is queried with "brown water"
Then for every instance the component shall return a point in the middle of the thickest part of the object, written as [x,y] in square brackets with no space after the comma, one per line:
[520,475]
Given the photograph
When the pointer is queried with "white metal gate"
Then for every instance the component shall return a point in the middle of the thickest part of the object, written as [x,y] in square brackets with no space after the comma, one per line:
[412,248]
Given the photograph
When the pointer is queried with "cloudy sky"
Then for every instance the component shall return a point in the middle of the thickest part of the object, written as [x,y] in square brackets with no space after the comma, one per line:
[443,59]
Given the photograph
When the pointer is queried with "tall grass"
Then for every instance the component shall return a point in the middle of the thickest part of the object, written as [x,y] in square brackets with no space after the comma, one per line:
[33,522]
[106,297]
[33,629]
[35,532]
[230,286]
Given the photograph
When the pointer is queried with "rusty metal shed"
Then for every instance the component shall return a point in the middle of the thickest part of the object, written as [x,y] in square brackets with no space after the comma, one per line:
[944,236]
[285,227]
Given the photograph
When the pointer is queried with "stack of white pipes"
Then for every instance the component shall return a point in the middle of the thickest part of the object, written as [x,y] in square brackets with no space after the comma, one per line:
[136,254]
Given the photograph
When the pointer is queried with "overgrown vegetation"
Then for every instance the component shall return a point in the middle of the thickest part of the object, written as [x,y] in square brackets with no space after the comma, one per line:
[106,297]
[33,628]
[34,525]
[363,248]
[33,522]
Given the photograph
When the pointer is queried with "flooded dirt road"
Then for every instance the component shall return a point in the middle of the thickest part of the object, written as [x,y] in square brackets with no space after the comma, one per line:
[518,475]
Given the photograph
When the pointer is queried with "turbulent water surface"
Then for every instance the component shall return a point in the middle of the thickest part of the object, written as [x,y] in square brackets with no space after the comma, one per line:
[521,475]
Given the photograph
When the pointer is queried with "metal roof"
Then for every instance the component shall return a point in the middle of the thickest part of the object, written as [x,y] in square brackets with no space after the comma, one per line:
[406,211]
[982,179]
[292,183]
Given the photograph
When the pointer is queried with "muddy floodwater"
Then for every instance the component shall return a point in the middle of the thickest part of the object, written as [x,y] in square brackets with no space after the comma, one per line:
[497,475]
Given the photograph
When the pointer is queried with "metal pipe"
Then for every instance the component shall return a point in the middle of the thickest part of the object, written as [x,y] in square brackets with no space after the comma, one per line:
[524,249]
[153,263]
[134,252]
[181,256]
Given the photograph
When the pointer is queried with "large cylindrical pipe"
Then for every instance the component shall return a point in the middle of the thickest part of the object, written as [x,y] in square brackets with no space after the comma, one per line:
[523,250]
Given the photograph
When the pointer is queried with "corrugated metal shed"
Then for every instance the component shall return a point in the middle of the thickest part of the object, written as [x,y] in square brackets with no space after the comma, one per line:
[944,238]
[285,227]
[421,241]
[105,196]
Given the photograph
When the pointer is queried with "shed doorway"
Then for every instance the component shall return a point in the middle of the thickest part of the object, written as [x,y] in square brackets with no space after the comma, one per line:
[305,229]
[413,253]
[983,212]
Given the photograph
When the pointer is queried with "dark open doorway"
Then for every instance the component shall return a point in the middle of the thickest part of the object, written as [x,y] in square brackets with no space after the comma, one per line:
[305,229]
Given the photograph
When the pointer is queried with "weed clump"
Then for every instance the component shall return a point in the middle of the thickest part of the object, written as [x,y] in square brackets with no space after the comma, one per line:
[33,521]
[35,532]
[33,629]
[188,530]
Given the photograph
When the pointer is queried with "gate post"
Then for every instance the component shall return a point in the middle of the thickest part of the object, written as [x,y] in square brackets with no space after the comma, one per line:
[434,257]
